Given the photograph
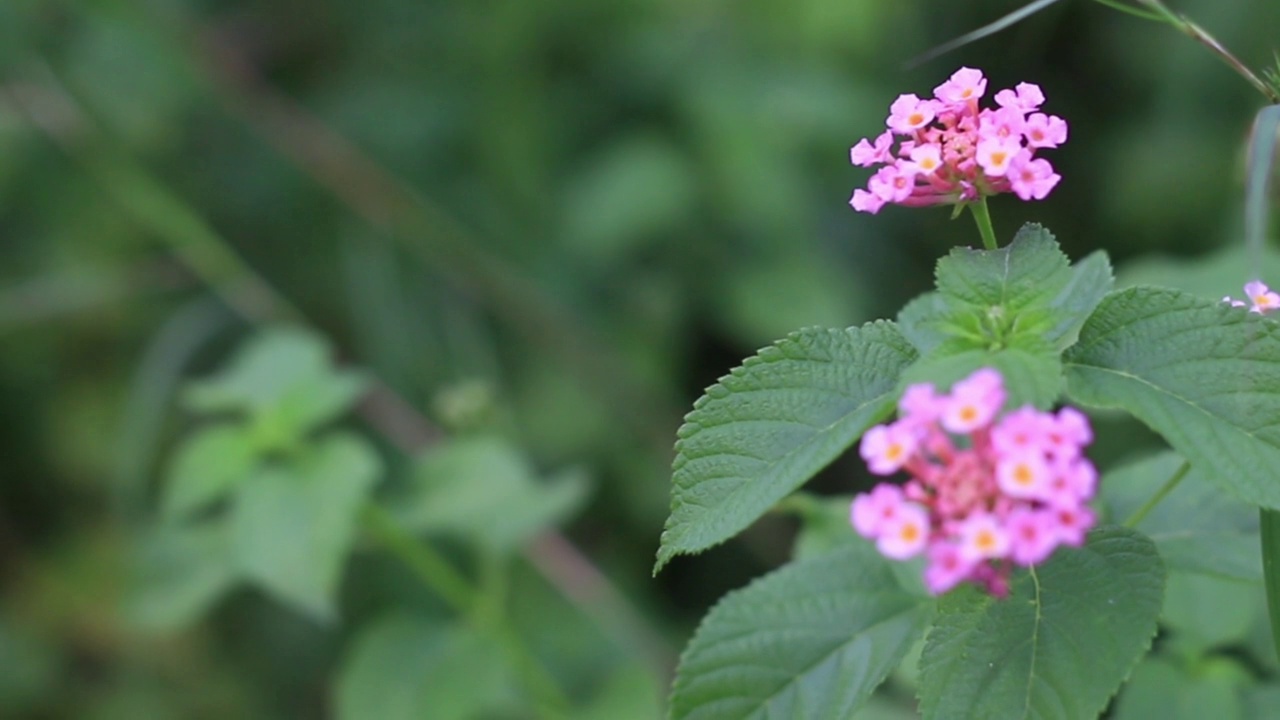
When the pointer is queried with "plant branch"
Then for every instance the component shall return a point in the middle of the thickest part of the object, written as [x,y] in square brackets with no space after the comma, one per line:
[1141,513]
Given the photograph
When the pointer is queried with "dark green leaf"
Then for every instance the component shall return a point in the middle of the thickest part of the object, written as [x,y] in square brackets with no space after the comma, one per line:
[1203,375]
[766,428]
[1058,647]
[811,640]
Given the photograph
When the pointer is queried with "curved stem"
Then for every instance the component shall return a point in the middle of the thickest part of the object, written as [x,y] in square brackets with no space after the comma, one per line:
[982,216]
[1163,492]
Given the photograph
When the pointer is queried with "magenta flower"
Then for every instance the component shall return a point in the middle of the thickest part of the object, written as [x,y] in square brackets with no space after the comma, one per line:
[951,151]
[986,493]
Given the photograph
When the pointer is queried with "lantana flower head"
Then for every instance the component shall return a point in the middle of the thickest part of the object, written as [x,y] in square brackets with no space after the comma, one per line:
[952,151]
[987,492]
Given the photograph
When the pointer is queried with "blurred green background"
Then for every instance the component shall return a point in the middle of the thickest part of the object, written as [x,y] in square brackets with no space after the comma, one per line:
[567,217]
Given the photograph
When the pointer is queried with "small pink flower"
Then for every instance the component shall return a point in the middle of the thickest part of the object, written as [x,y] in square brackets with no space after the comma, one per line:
[1021,431]
[1024,476]
[982,537]
[1264,300]
[886,448]
[946,568]
[1027,98]
[974,401]
[1071,523]
[1234,303]
[965,84]
[926,159]
[1031,178]
[863,201]
[1002,124]
[892,183]
[871,511]
[909,113]
[921,404]
[906,534]
[1045,131]
[1033,536]
[1066,433]
[995,155]
[864,154]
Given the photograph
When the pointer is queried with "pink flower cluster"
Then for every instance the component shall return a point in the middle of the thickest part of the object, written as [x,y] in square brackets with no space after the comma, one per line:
[1263,298]
[1014,489]
[953,152]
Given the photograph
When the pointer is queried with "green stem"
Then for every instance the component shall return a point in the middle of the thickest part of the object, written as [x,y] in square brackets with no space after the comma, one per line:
[983,217]
[1271,568]
[440,576]
[1163,492]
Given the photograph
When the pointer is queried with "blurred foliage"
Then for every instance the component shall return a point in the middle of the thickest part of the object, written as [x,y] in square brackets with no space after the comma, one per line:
[547,220]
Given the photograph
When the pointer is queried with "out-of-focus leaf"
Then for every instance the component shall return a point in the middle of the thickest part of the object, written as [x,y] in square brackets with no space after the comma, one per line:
[294,521]
[406,668]
[284,380]
[1262,161]
[630,693]
[1211,276]
[482,488]
[206,467]
[770,297]
[1197,528]
[1207,612]
[181,572]
[1159,688]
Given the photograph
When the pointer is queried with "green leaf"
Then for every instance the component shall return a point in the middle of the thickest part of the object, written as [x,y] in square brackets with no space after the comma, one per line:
[630,693]
[1013,309]
[294,522]
[1203,375]
[1196,527]
[1163,689]
[774,422]
[406,668]
[180,573]
[206,467]
[1058,646]
[811,640]
[284,380]
[482,488]
[1205,611]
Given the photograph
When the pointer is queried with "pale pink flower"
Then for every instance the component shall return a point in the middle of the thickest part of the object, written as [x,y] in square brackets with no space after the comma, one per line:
[906,534]
[995,154]
[886,448]
[909,113]
[1264,300]
[982,537]
[1033,535]
[921,404]
[945,568]
[1024,476]
[1031,178]
[1002,124]
[926,159]
[871,511]
[1022,430]
[1071,523]
[974,401]
[965,85]
[892,183]
[866,154]
[1026,98]
[1044,131]
[863,201]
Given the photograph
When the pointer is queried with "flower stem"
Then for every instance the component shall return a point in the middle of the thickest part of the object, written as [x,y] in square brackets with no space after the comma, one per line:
[1168,487]
[983,217]
[1271,568]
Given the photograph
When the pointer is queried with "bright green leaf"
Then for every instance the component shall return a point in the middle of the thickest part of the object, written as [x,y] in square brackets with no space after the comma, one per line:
[209,464]
[294,521]
[405,668]
[284,380]
[769,425]
[484,489]
[1196,527]
[811,640]
[1203,375]
[1028,272]
[181,573]
[1058,647]
[1032,370]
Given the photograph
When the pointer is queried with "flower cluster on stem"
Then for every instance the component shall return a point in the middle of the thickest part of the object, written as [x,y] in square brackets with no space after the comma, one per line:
[951,151]
[986,492]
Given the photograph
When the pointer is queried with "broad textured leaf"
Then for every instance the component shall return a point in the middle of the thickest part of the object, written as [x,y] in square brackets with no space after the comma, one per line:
[1091,280]
[294,522]
[407,668]
[181,573]
[483,488]
[767,427]
[918,321]
[1197,528]
[1030,271]
[811,640]
[206,467]
[1058,647]
[284,379]
[1203,375]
